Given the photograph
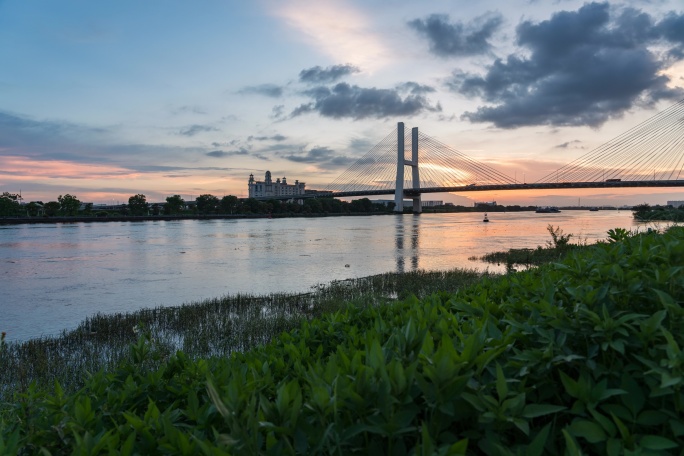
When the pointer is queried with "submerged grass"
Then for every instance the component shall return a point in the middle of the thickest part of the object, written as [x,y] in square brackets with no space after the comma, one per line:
[527,257]
[556,249]
[214,327]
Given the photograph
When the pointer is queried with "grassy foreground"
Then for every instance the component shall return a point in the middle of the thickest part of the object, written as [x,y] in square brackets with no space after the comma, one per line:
[214,327]
[580,357]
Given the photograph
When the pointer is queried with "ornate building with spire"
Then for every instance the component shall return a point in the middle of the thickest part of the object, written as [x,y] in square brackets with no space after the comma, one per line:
[266,188]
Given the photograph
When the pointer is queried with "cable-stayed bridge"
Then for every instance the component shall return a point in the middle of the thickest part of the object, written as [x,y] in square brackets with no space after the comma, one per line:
[650,154]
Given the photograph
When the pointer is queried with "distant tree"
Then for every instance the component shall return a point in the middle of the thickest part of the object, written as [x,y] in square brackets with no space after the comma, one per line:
[137,204]
[155,209]
[207,204]
[361,205]
[88,209]
[51,208]
[33,208]
[642,211]
[312,205]
[174,204]
[68,204]
[229,204]
[9,204]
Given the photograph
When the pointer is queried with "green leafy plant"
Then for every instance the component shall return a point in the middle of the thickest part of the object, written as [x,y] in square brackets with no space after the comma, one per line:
[583,356]
[559,240]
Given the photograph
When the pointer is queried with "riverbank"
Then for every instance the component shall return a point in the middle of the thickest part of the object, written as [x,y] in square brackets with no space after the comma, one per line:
[156,218]
[280,215]
[202,329]
[646,213]
[579,357]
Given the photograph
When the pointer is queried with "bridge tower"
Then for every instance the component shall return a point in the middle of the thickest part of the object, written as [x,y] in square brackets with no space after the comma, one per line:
[415,175]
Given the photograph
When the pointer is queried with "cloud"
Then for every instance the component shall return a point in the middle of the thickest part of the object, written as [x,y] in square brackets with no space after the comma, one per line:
[223,153]
[347,101]
[671,28]
[457,39]
[584,68]
[268,90]
[336,28]
[192,130]
[574,144]
[277,137]
[321,156]
[188,110]
[230,143]
[277,112]
[318,75]
[415,88]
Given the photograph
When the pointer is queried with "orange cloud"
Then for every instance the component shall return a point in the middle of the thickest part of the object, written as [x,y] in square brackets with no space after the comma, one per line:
[22,168]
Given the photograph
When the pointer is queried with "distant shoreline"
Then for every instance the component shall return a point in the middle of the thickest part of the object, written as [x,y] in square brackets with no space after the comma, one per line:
[152,218]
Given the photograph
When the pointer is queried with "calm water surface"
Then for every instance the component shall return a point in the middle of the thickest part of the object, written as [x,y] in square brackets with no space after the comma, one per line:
[54,276]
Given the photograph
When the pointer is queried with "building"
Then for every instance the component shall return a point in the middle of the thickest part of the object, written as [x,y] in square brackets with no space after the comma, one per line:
[268,188]
[485,204]
[675,204]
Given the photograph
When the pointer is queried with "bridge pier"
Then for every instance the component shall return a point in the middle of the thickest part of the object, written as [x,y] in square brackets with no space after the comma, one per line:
[399,184]
[415,174]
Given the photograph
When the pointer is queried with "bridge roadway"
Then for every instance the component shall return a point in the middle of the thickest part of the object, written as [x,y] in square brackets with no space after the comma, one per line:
[408,192]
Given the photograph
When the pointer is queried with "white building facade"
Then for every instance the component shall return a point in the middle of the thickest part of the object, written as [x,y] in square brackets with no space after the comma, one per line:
[268,188]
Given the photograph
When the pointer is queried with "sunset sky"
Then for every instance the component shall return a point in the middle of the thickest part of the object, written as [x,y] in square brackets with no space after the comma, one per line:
[104,100]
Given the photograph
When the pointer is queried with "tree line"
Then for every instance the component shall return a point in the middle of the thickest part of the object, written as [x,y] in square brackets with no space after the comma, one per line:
[206,204]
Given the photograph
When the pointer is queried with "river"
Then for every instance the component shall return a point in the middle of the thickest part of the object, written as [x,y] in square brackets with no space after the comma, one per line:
[54,276]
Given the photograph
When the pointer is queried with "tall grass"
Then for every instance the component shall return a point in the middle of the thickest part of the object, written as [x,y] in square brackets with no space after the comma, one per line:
[214,327]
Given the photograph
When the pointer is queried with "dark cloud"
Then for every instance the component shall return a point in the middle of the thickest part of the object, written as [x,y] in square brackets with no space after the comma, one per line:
[192,130]
[318,75]
[223,153]
[584,67]
[671,28]
[448,39]
[268,90]
[320,156]
[415,88]
[347,101]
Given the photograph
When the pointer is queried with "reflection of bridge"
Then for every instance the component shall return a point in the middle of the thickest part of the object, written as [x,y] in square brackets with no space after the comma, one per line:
[648,155]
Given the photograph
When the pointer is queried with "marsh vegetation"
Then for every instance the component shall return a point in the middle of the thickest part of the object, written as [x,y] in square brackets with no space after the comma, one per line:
[213,327]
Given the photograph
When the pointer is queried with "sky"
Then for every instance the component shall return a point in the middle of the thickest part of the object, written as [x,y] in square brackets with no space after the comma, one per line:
[104,100]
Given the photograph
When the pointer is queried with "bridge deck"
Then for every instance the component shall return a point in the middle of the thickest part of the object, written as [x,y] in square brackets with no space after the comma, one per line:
[484,188]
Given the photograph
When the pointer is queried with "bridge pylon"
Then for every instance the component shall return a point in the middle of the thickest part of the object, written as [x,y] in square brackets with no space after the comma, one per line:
[415,174]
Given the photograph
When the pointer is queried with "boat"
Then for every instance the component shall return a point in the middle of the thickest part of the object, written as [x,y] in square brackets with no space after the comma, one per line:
[547,210]
[485,219]
[594,209]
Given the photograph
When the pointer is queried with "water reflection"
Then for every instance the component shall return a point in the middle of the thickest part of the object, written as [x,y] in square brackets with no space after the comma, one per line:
[52,277]
[406,228]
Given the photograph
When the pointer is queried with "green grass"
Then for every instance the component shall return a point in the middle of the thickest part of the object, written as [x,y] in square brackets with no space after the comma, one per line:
[214,327]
